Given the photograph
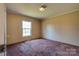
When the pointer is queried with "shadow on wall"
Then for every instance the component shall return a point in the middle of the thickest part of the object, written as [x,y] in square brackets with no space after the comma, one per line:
[62,28]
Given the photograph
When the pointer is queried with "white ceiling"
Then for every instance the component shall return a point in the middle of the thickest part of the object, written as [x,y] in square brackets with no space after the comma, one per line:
[32,9]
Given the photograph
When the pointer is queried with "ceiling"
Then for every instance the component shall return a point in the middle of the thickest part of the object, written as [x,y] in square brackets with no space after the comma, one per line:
[32,9]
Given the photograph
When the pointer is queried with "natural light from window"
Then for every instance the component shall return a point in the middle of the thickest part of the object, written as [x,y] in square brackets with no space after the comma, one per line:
[26,28]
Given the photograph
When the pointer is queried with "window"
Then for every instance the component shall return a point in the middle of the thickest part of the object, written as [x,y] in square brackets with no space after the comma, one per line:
[26,28]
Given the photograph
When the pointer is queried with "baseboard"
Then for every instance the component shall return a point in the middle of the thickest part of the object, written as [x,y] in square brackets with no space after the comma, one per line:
[22,41]
[62,42]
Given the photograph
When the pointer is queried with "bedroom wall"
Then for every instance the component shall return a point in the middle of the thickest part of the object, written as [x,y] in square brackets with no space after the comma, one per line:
[14,29]
[2,23]
[64,28]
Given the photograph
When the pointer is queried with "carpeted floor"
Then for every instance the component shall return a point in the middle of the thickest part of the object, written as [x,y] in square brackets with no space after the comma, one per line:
[42,47]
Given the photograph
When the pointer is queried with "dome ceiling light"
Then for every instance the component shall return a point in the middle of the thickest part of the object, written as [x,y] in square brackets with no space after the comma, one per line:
[43,8]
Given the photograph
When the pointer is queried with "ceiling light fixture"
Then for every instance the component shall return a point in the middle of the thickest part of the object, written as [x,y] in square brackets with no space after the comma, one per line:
[42,8]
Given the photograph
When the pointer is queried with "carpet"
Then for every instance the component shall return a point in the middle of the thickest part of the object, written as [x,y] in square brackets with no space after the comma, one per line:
[42,47]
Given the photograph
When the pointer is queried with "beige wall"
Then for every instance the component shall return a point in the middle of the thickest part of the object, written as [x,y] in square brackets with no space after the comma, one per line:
[2,23]
[14,23]
[64,28]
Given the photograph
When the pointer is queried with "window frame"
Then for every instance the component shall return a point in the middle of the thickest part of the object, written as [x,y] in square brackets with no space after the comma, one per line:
[27,28]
